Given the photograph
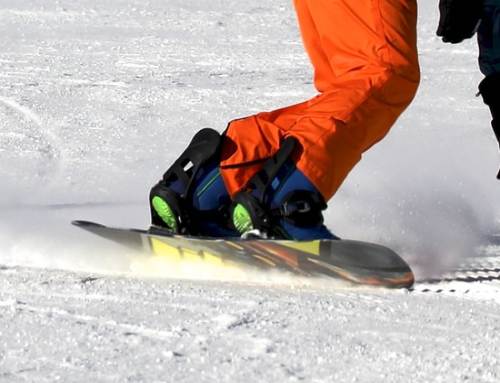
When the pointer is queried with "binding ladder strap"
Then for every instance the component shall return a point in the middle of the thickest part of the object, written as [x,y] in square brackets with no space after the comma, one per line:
[260,183]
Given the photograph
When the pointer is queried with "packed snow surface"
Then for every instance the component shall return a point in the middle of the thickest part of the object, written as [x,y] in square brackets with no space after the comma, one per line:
[97,98]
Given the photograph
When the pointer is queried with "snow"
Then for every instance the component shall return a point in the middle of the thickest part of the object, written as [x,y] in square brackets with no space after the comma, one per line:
[97,98]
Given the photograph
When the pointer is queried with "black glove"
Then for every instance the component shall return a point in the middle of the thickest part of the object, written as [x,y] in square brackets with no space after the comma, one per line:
[458,19]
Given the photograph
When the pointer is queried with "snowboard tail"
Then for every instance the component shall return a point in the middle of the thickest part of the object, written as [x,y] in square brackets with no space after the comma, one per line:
[355,261]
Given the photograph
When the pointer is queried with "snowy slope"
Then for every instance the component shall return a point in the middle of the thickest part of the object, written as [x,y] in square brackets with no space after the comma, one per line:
[97,98]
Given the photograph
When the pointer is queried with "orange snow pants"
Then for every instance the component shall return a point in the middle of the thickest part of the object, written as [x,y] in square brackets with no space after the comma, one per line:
[366,70]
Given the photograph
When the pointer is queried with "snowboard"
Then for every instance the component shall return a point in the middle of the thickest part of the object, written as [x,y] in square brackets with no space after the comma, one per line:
[354,261]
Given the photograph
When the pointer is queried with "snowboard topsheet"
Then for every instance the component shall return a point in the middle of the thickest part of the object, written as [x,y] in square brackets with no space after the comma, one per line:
[355,261]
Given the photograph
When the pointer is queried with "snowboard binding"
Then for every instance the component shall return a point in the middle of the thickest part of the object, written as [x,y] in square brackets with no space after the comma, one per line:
[191,194]
[279,202]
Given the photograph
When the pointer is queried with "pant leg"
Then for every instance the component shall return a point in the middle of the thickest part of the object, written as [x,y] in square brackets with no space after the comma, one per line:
[366,70]
[489,38]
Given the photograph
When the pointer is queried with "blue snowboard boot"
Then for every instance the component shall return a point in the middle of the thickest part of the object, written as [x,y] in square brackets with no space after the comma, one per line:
[279,201]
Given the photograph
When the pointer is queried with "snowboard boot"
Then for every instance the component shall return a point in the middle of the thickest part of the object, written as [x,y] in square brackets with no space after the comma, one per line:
[280,202]
[191,199]
[489,88]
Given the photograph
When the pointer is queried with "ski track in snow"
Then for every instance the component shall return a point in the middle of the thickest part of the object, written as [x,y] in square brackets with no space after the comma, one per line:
[47,164]
[96,98]
[26,112]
